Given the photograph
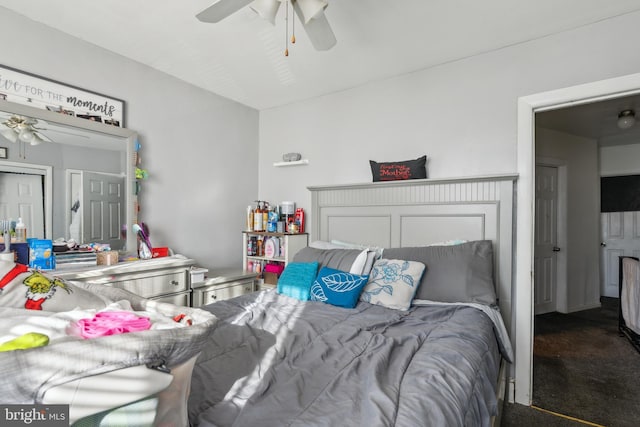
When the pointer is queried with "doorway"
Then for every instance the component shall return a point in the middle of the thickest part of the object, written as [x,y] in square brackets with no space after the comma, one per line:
[528,107]
[23,198]
[27,193]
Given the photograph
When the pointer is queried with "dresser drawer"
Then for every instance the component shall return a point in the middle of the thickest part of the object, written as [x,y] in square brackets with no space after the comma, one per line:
[182,298]
[211,294]
[155,285]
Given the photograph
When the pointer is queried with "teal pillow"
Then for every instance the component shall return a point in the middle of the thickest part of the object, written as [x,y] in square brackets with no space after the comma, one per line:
[337,287]
[296,280]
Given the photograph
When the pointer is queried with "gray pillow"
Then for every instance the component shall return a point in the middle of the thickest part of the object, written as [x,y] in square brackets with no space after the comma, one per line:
[459,273]
[339,259]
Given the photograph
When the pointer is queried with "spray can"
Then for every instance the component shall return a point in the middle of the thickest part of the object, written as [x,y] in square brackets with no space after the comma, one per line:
[299,219]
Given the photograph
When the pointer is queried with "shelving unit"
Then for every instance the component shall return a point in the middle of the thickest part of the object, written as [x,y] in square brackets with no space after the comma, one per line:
[290,244]
[294,163]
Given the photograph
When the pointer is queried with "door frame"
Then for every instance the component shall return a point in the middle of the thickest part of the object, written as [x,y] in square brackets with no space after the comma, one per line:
[527,107]
[45,171]
[562,303]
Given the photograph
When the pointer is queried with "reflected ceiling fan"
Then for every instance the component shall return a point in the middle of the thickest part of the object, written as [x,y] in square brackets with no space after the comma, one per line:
[28,130]
[310,13]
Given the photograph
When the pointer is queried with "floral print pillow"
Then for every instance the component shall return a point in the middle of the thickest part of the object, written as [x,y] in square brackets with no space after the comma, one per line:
[393,283]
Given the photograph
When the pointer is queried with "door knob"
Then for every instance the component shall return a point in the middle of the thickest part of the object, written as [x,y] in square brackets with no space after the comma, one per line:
[603,244]
[556,249]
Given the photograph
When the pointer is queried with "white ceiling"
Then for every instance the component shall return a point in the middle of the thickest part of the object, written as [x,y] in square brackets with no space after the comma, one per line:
[242,57]
[595,121]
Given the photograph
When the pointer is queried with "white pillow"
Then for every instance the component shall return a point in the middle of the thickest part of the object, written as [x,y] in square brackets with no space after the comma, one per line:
[348,245]
[393,283]
[361,265]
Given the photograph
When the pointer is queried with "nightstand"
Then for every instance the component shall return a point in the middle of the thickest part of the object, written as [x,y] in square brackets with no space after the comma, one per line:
[223,284]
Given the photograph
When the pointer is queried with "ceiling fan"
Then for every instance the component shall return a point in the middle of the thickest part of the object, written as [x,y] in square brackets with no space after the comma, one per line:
[26,129]
[310,13]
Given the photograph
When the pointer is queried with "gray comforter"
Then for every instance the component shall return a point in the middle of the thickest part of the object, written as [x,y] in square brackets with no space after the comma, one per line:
[276,361]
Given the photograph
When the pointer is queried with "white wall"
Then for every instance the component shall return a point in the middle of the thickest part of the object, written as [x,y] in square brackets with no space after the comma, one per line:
[582,250]
[462,115]
[620,160]
[201,150]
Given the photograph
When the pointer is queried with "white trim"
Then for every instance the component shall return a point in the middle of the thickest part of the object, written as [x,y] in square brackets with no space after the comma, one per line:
[527,107]
[416,182]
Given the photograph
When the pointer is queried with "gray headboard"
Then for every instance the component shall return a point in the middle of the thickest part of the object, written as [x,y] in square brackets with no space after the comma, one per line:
[423,211]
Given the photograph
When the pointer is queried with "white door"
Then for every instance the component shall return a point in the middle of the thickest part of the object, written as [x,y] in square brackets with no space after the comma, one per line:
[620,236]
[545,251]
[21,196]
[102,209]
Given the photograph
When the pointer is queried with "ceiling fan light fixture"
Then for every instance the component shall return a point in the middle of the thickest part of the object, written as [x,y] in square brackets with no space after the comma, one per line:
[626,119]
[266,9]
[26,135]
[311,8]
[36,139]
[9,134]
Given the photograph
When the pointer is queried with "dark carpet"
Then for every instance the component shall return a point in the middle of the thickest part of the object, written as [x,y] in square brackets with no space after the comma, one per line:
[583,369]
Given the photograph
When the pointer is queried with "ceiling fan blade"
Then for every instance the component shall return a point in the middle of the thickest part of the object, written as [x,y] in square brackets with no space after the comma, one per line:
[43,137]
[318,29]
[221,9]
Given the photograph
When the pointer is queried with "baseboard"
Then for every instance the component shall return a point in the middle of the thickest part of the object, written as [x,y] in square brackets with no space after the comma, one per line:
[582,307]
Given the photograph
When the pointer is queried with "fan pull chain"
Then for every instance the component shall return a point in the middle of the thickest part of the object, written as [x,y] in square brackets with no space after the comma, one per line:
[286,36]
[293,29]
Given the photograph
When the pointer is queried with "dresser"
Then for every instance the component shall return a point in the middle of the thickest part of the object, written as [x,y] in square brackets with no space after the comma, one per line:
[165,279]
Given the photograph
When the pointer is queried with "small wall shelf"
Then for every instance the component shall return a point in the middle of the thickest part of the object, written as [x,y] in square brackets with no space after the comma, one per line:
[294,163]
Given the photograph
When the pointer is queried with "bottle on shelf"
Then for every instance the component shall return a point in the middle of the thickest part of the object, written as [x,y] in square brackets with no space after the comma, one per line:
[265,215]
[260,248]
[250,219]
[272,224]
[299,219]
[257,218]
[21,231]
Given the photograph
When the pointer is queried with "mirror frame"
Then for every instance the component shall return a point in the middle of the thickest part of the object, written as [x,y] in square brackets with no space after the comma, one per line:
[129,138]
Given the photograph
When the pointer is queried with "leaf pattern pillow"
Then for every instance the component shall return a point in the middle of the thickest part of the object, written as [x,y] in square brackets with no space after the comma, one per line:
[393,283]
[337,287]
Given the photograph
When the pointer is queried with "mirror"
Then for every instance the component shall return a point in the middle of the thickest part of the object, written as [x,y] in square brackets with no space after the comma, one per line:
[87,166]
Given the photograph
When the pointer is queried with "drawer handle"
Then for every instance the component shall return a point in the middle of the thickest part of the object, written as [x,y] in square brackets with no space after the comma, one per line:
[248,289]
[214,297]
[174,283]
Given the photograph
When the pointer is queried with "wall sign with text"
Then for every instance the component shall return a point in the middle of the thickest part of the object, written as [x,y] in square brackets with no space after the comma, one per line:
[28,89]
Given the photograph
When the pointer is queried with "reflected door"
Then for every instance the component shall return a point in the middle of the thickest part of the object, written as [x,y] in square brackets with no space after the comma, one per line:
[545,255]
[21,196]
[103,209]
[620,237]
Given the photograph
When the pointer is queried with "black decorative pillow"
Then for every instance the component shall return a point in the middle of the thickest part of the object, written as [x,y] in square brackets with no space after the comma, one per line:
[394,171]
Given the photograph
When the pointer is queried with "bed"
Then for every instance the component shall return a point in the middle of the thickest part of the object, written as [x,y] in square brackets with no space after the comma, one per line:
[100,355]
[439,357]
